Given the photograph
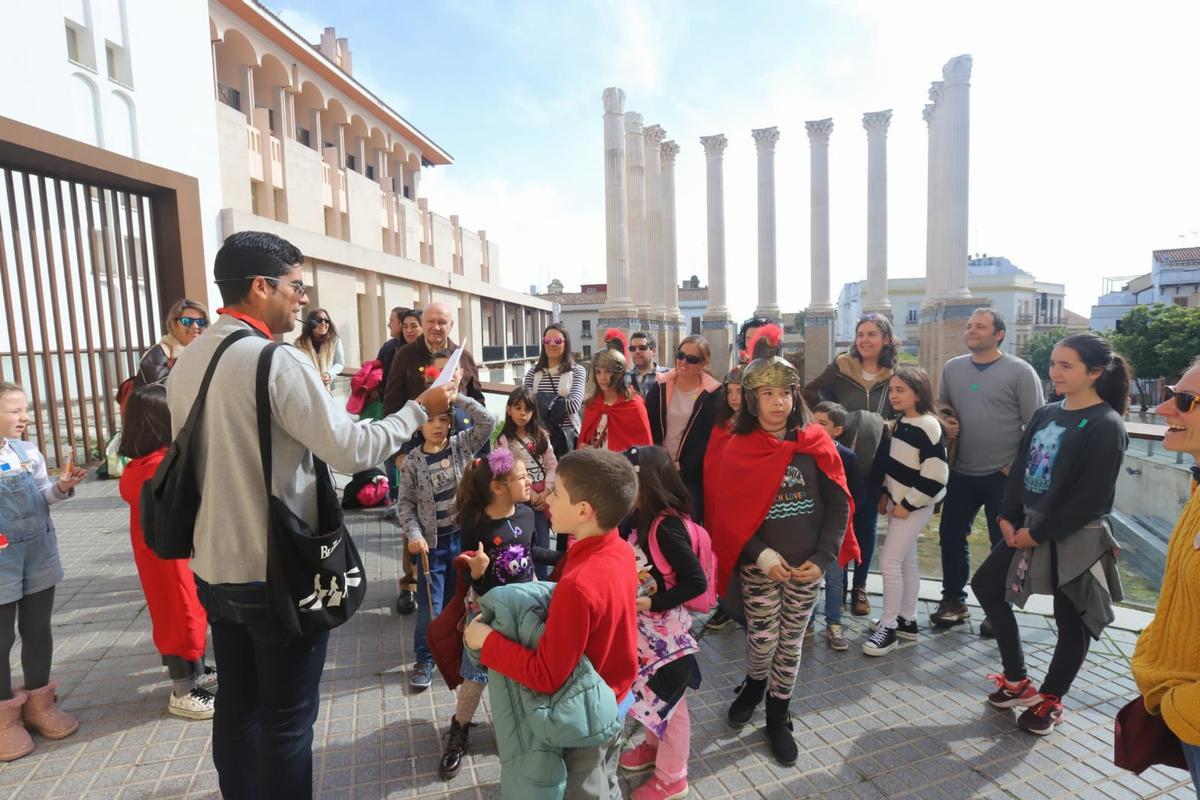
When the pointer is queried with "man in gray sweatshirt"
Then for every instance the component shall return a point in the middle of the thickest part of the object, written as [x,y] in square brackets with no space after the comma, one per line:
[993,396]
[268,698]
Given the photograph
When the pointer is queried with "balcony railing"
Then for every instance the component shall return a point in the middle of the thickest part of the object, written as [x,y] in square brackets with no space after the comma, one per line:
[229,96]
[254,144]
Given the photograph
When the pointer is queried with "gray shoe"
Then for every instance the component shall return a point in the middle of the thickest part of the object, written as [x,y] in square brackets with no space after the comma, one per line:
[421,676]
[835,635]
[950,612]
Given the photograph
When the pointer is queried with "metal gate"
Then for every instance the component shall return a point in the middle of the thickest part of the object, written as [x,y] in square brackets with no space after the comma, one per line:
[81,304]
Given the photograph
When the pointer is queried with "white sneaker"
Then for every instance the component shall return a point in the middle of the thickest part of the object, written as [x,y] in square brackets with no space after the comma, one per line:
[196,704]
[208,681]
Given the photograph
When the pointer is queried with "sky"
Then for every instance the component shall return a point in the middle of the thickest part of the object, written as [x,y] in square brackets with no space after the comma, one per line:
[1085,125]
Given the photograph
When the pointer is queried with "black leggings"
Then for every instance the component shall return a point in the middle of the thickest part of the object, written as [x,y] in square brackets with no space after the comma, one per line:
[990,585]
[32,617]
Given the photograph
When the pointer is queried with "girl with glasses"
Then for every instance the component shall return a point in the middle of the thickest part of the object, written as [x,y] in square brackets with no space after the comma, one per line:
[186,320]
[681,407]
[320,342]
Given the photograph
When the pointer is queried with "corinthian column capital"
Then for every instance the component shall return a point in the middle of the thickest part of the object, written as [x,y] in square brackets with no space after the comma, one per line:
[654,135]
[936,90]
[877,122]
[957,71]
[714,146]
[614,101]
[928,113]
[633,122]
[765,139]
[819,130]
[669,151]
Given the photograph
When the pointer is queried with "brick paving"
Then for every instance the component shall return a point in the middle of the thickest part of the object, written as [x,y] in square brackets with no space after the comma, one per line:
[912,724]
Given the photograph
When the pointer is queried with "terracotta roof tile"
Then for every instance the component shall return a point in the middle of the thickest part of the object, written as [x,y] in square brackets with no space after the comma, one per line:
[1178,257]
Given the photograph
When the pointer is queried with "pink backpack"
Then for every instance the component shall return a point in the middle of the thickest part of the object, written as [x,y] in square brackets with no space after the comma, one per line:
[702,547]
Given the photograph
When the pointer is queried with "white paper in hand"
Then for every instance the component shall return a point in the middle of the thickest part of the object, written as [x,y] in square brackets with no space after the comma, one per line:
[451,367]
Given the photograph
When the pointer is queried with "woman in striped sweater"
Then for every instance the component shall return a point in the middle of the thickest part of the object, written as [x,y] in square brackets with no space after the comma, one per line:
[914,472]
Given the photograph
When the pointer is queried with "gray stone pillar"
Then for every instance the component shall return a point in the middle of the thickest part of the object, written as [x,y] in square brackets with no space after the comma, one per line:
[956,128]
[672,318]
[653,138]
[716,324]
[618,306]
[876,124]
[635,192]
[768,304]
[819,132]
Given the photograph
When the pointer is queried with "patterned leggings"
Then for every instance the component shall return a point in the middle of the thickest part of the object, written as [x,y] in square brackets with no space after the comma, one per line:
[776,616]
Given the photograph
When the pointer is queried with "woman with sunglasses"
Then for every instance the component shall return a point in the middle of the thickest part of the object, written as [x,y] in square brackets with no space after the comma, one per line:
[186,320]
[1054,519]
[319,341]
[681,406]
[1164,662]
[558,383]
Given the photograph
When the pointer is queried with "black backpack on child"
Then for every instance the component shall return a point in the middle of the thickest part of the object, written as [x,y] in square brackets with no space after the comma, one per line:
[170,501]
[315,579]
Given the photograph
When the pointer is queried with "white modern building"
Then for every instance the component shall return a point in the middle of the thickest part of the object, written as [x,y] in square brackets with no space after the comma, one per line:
[1027,304]
[1174,277]
[580,313]
[280,136]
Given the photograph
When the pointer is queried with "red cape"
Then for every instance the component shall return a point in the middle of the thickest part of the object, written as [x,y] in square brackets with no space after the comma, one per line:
[749,470]
[712,463]
[628,425]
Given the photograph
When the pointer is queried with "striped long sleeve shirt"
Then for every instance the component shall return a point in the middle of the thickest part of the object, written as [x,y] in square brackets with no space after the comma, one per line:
[916,471]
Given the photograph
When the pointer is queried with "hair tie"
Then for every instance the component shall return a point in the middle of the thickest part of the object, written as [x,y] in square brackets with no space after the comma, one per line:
[501,461]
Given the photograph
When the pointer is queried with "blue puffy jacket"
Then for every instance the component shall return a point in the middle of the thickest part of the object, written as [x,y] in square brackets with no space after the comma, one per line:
[532,729]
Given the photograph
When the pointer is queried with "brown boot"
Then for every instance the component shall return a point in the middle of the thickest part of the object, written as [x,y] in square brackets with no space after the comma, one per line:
[14,739]
[43,715]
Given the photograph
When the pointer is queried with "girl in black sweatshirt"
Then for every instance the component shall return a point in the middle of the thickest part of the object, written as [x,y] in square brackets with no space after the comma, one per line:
[1060,489]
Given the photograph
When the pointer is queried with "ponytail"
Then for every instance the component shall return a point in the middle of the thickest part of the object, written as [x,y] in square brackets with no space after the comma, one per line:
[1096,353]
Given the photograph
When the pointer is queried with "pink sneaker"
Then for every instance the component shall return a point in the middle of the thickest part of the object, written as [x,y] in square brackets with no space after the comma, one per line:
[639,758]
[1010,695]
[654,789]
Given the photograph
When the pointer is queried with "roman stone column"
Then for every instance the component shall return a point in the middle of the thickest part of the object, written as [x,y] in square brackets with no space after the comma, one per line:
[876,124]
[635,192]
[653,138]
[618,308]
[821,315]
[672,318]
[716,323]
[955,178]
[765,140]
[933,279]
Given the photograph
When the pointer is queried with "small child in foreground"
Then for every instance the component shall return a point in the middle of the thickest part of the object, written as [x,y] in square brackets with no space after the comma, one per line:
[592,611]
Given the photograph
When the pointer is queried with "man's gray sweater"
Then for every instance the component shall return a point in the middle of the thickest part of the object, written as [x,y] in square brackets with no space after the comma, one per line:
[231,528]
[992,405]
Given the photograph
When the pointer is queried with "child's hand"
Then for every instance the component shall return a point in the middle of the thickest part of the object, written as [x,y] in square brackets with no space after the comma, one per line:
[479,563]
[899,511]
[780,573]
[418,547]
[808,572]
[883,503]
[643,604]
[70,476]
[476,634]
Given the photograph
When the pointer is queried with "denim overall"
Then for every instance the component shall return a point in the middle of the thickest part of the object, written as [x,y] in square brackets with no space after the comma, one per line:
[30,562]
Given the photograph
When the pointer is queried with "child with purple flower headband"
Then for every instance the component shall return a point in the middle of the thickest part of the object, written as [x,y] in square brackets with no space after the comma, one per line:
[497,523]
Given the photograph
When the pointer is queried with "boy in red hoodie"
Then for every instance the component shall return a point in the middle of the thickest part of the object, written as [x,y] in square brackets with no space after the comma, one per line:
[593,610]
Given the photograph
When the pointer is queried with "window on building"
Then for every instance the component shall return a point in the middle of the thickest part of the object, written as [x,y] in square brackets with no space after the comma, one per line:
[79,44]
[587,350]
[117,61]
[695,326]
[303,136]
[72,44]
[586,330]
[229,96]
[912,314]
[1180,301]
[351,162]
[370,172]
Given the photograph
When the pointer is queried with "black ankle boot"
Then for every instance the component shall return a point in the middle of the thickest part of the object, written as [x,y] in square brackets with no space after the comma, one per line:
[749,695]
[779,732]
[406,601]
[456,748]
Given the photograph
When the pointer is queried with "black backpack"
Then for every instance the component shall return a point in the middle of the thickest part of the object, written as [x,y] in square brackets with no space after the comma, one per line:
[170,500]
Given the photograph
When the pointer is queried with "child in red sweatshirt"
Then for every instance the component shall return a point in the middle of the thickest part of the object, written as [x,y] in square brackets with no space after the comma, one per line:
[593,610]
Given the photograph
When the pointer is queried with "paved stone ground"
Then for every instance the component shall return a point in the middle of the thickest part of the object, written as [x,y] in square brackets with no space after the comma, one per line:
[909,725]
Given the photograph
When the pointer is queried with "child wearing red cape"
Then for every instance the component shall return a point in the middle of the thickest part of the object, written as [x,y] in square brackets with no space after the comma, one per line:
[615,416]
[780,515]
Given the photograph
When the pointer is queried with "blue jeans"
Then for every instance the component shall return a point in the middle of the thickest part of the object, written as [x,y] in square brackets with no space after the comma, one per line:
[441,580]
[866,517]
[964,495]
[835,589]
[269,697]
[1191,753]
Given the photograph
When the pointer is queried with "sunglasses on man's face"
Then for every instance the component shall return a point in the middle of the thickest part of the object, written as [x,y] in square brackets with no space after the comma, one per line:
[682,356]
[555,340]
[638,348]
[1184,401]
[188,322]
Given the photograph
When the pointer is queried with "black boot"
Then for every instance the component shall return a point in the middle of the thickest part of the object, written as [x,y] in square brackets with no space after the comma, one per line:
[779,732]
[406,601]
[456,748]
[749,695]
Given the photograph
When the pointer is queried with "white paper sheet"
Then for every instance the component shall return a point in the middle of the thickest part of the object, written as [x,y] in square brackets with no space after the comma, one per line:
[451,365]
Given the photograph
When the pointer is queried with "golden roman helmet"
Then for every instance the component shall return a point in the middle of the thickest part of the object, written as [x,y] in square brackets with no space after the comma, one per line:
[612,357]
[767,367]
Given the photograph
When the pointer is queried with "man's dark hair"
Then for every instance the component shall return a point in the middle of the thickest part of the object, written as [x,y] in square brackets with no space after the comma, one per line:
[247,254]
[753,322]
[147,422]
[643,335]
[998,325]
[603,479]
